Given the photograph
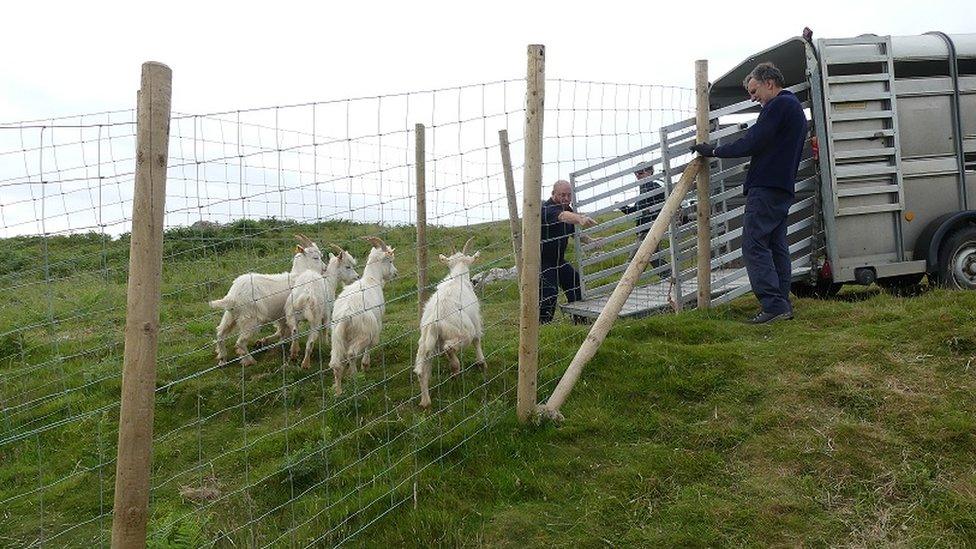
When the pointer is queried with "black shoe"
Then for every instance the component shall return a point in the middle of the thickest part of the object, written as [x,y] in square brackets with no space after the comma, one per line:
[768,318]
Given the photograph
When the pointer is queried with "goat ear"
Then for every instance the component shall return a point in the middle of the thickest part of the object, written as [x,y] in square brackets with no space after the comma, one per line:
[443,258]
[299,249]
[475,256]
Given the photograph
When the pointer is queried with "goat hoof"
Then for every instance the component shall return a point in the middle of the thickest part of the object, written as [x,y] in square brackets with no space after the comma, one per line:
[425,405]
[306,364]
[482,364]
[248,361]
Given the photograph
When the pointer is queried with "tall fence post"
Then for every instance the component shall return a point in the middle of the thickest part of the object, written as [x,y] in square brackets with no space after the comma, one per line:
[142,309]
[528,368]
[420,164]
[513,216]
[704,190]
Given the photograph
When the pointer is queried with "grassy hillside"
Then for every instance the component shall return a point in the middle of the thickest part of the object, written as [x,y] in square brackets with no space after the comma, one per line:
[851,425]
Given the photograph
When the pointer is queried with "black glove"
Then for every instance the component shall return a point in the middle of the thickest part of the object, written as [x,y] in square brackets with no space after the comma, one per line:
[704,149]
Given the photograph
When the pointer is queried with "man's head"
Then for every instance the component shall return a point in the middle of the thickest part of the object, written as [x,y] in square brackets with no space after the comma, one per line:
[562,193]
[764,83]
[644,169]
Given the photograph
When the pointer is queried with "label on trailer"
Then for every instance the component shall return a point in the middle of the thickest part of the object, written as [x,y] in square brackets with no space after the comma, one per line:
[851,106]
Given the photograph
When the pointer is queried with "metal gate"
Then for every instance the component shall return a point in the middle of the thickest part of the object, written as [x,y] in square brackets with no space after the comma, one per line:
[602,189]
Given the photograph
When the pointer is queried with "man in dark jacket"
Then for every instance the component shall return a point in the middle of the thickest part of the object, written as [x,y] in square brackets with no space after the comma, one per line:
[648,207]
[775,144]
[558,224]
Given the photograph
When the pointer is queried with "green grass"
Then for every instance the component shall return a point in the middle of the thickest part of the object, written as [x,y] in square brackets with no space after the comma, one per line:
[852,425]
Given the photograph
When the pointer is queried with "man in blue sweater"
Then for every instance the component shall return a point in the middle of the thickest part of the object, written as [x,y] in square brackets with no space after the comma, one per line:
[775,144]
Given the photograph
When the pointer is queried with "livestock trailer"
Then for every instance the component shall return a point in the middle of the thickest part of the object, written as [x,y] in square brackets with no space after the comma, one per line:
[885,190]
[895,118]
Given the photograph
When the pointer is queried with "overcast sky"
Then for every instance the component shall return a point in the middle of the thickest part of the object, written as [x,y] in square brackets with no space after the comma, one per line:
[62,58]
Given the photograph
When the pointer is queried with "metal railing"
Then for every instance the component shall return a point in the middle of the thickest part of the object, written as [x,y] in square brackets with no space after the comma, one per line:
[602,189]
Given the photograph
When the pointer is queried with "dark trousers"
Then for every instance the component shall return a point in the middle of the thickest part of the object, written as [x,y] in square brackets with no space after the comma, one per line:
[656,262]
[551,279]
[765,249]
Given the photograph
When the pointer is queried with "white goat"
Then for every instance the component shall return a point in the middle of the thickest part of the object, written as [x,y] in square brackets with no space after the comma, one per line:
[255,299]
[357,317]
[451,320]
[312,299]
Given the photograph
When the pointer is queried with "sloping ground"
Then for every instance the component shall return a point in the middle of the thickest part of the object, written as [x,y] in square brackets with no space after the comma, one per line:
[852,425]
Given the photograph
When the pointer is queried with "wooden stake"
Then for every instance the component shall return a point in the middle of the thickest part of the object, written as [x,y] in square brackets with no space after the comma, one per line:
[421,166]
[535,91]
[513,216]
[620,294]
[142,309]
[704,198]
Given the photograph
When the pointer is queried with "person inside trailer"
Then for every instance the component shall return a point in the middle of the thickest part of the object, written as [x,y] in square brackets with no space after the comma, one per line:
[646,205]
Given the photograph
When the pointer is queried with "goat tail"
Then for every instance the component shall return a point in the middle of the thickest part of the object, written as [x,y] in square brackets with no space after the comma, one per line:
[337,349]
[222,303]
[426,346]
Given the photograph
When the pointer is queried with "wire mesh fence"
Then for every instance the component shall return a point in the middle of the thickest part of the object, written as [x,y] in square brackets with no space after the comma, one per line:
[266,453]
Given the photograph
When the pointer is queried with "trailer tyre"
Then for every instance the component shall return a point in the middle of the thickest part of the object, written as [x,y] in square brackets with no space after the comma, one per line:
[957,260]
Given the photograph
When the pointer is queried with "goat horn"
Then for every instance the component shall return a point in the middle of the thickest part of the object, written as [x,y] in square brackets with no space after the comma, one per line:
[376,241]
[464,250]
[337,249]
[304,240]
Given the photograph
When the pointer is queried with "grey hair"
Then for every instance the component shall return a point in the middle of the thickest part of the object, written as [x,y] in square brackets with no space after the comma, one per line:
[765,72]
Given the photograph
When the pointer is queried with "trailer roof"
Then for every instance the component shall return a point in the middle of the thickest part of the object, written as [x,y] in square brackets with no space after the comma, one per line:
[790,57]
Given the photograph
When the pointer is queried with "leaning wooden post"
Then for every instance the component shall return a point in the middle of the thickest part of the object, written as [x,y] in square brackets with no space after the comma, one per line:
[142,309]
[528,367]
[421,166]
[620,294]
[704,190]
[513,216]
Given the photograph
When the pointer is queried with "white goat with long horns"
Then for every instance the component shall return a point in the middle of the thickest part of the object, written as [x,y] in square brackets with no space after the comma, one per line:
[357,315]
[451,320]
[255,299]
[312,298]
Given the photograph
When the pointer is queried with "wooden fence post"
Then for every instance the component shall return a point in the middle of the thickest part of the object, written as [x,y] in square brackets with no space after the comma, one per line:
[704,192]
[420,164]
[142,309]
[513,216]
[535,91]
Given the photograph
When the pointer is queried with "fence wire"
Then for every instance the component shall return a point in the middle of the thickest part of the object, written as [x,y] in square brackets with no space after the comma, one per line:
[266,454]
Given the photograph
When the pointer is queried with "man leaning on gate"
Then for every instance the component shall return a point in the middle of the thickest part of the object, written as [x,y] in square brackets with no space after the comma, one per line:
[775,144]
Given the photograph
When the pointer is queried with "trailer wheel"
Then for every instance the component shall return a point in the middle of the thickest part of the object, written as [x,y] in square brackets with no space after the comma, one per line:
[821,290]
[904,285]
[957,260]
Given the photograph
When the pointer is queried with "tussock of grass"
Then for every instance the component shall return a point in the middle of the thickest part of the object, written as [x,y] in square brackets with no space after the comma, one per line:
[852,425]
